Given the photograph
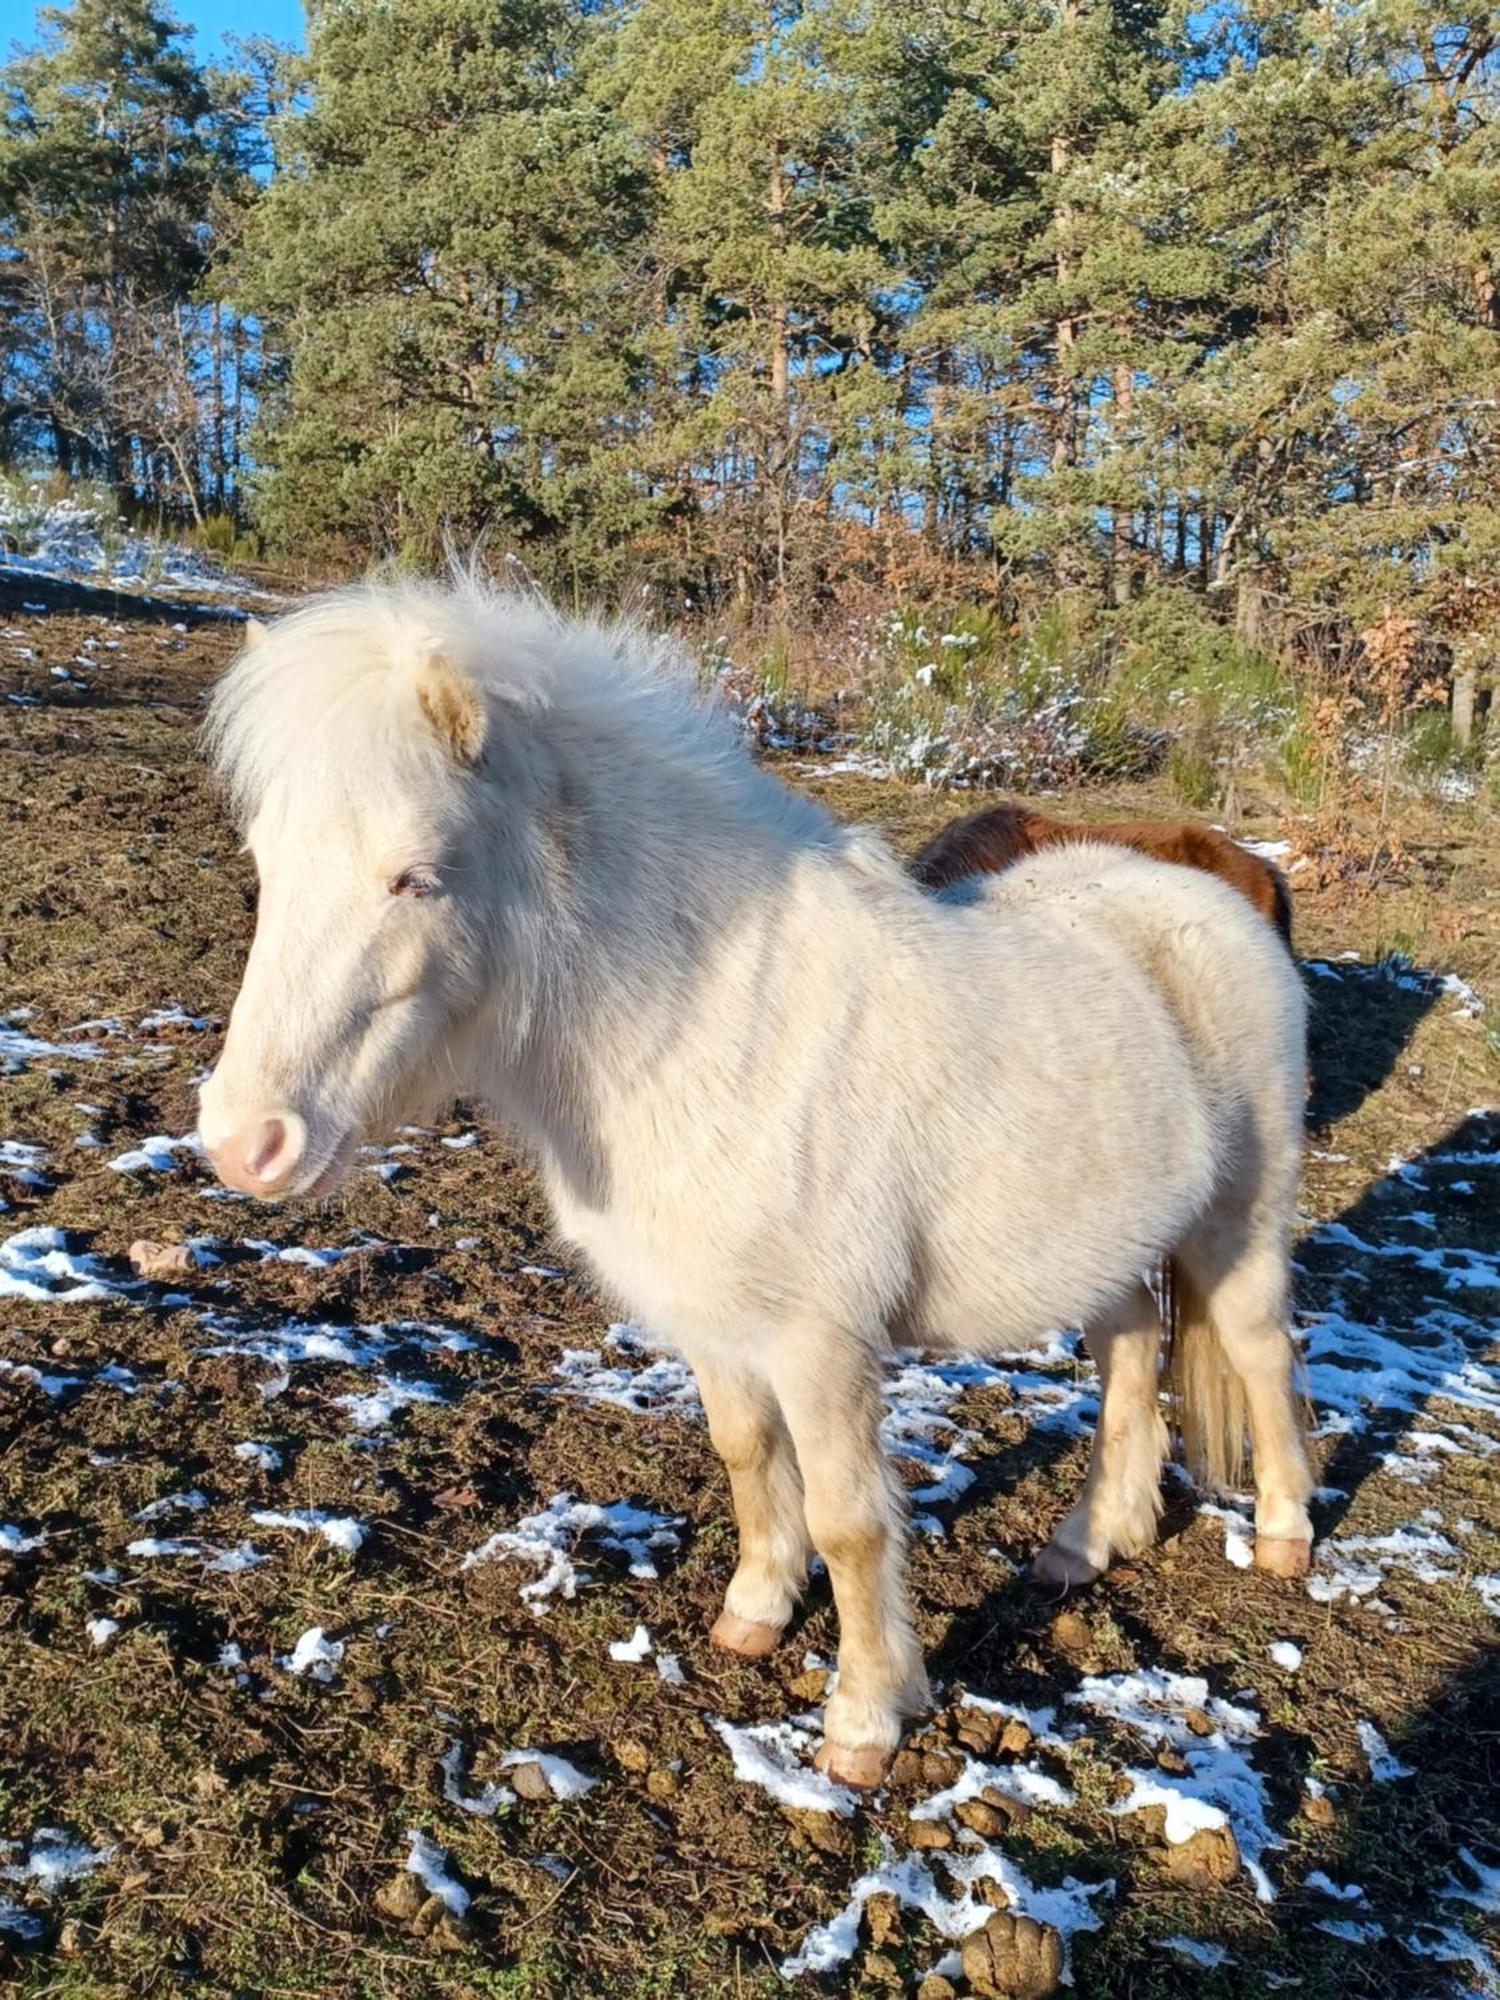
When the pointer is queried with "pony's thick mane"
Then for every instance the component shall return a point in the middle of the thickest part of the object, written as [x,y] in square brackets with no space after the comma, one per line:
[330,686]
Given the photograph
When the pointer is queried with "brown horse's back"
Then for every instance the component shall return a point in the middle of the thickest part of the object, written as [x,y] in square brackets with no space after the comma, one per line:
[988,842]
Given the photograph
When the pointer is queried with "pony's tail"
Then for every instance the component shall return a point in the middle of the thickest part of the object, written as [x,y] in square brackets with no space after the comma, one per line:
[1206,1400]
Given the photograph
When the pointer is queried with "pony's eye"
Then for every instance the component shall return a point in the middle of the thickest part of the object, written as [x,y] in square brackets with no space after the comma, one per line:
[415,882]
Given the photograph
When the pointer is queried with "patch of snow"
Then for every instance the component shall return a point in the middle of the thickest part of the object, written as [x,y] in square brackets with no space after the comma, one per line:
[1197,1951]
[662,1382]
[430,1866]
[548,1539]
[37,1265]
[340,1531]
[55,1858]
[1356,1566]
[483,1804]
[314,1654]
[192,1502]
[1385,1765]
[1068,1907]
[1239,1532]
[375,1408]
[1027,1782]
[1350,1892]
[634,1649]
[158,1155]
[101,1630]
[1222,1786]
[1286,1654]
[264,1457]
[14,1543]
[777,1757]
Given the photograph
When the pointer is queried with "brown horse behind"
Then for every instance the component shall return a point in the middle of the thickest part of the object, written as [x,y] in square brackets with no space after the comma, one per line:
[989,842]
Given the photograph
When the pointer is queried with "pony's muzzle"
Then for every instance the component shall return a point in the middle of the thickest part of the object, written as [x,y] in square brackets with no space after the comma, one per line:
[261,1158]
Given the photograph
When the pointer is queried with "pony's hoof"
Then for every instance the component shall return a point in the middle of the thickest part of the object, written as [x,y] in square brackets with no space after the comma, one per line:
[1064,1568]
[863,1769]
[745,1636]
[1283,1555]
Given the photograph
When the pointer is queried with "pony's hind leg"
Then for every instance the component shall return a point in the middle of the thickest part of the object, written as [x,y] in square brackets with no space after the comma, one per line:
[1121,1500]
[750,1436]
[1231,1282]
[829,1388]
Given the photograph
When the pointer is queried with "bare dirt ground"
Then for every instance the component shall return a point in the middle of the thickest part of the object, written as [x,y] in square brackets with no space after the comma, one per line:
[259,1714]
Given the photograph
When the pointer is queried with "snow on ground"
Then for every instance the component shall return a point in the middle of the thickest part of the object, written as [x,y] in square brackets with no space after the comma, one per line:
[910,1878]
[429,1864]
[54,1859]
[69,541]
[314,1654]
[548,1540]
[1221,1787]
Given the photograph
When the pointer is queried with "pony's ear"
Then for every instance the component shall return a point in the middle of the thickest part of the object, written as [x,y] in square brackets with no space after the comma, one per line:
[256,634]
[453,706]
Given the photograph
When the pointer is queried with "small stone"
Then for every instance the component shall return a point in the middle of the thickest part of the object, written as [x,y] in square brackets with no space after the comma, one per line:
[431,1913]
[1168,1759]
[880,1971]
[1016,1957]
[401,1898]
[1198,1722]
[1206,1859]
[980,1818]
[935,1987]
[70,1939]
[1015,1738]
[1016,1811]
[883,1917]
[1319,1811]
[988,1890]
[529,1781]
[632,1756]
[939,1770]
[662,1783]
[159,1260]
[929,1833]
[811,1686]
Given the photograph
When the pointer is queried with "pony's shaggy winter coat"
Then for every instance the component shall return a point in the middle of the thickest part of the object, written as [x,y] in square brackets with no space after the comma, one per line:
[789,1108]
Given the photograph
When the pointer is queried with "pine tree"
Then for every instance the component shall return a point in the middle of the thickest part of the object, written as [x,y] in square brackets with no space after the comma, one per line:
[115,151]
[442,261]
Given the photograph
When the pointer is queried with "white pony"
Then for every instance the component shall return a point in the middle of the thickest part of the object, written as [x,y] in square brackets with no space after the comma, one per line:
[790,1109]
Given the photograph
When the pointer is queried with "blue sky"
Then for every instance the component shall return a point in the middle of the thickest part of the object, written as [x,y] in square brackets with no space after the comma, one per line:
[210,19]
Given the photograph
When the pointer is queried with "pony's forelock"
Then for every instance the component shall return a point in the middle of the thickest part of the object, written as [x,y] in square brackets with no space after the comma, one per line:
[337,678]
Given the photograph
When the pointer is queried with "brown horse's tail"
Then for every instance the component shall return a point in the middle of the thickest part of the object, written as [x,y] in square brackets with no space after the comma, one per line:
[1204,1394]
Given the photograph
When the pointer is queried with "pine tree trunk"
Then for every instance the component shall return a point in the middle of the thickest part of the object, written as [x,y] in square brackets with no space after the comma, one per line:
[1122,552]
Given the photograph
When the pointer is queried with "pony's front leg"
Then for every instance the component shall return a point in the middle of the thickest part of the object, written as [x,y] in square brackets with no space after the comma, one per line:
[1121,1499]
[829,1388]
[746,1426]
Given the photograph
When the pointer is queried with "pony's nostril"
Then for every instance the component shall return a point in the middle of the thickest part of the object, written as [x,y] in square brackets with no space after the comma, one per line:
[263,1155]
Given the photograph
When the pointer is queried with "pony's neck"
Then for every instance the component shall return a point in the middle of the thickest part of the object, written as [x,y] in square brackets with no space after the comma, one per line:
[644,862]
